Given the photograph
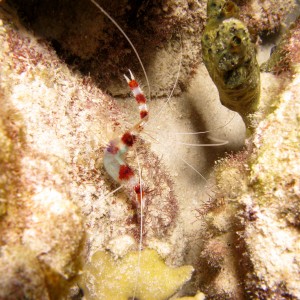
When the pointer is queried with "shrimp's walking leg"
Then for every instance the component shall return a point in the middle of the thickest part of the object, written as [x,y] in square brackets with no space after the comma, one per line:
[117,148]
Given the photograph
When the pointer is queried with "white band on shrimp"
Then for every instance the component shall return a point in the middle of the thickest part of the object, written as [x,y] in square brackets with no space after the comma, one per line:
[137,91]
[143,107]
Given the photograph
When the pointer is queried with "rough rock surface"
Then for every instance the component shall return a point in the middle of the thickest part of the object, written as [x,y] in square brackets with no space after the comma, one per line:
[257,208]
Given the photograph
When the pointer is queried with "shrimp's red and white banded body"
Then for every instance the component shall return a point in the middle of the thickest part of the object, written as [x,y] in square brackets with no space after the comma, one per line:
[117,148]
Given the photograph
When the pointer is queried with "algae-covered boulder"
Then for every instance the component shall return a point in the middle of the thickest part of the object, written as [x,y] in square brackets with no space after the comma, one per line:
[257,206]
[41,229]
[275,199]
[24,277]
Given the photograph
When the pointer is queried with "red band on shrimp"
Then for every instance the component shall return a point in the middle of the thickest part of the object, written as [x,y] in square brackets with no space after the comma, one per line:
[137,188]
[140,98]
[125,172]
[133,84]
[139,192]
[143,114]
[128,139]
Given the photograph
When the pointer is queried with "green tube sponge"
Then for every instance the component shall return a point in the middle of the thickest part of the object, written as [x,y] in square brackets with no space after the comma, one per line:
[229,57]
[145,277]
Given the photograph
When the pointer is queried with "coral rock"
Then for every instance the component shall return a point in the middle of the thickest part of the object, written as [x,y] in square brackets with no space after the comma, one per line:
[24,277]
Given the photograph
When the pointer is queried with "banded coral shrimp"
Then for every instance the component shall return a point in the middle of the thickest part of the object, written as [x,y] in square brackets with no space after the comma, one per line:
[137,182]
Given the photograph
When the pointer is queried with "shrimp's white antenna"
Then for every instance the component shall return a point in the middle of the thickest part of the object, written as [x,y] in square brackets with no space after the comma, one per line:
[128,39]
[114,191]
[141,228]
[207,131]
[192,133]
[193,169]
[220,142]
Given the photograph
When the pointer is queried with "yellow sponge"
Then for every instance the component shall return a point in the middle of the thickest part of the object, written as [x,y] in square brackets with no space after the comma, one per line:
[146,277]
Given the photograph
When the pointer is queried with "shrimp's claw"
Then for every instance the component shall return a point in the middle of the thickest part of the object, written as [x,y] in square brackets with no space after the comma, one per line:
[131,77]
[127,79]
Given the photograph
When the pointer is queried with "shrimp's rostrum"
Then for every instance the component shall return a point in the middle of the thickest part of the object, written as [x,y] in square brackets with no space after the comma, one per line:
[117,148]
